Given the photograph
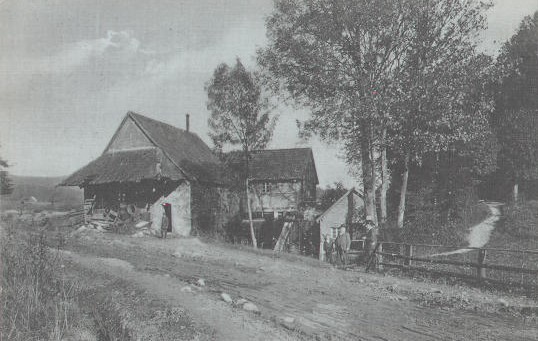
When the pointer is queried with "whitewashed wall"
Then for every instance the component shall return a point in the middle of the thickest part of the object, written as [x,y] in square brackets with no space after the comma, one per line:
[335,217]
[180,199]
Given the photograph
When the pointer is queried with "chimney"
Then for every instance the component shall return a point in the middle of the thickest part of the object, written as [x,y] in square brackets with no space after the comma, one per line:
[187,122]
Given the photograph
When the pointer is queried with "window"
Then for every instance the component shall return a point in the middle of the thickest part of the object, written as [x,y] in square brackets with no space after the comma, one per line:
[334,232]
[266,187]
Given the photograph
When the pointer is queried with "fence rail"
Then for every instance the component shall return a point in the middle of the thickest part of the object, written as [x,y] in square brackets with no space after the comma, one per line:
[76,216]
[404,256]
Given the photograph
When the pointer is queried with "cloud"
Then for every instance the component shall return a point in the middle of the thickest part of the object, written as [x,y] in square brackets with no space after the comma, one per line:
[240,41]
[74,55]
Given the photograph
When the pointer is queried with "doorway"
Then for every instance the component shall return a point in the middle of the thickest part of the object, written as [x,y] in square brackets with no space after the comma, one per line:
[168,213]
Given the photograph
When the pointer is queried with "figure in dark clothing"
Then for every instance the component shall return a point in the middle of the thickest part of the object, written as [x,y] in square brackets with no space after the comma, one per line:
[327,249]
[164,223]
[343,243]
[370,237]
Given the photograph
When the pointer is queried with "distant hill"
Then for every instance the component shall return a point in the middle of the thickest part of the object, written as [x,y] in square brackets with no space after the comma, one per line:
[44,189]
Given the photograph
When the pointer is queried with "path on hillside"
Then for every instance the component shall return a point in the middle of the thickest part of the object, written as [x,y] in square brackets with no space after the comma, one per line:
[480,233]
[297,299]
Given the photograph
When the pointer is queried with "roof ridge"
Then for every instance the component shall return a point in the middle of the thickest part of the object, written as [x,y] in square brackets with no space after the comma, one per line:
[152,139]
[348,192]
[278,149]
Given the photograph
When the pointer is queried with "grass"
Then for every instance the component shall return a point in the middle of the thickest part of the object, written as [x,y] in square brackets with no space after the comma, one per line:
[37,302]
[425,229]
[518,230]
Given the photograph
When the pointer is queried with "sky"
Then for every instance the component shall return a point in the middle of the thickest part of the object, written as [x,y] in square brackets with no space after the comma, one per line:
[71,69]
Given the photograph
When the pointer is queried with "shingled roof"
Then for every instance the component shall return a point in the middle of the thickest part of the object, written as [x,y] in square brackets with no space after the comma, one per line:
[277,164]
[181,155]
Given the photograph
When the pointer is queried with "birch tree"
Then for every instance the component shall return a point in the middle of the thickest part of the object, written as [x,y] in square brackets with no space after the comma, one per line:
[378,75]
[239,117]
[336,58]
[440,67]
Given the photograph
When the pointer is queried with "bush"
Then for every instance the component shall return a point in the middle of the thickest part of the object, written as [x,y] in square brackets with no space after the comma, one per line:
[519,228]
[37,303]
[425,229]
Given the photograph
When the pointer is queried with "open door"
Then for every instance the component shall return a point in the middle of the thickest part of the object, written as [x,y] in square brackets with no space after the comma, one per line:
[168,213]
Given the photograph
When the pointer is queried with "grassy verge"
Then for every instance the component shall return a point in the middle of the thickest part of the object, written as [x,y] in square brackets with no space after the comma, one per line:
[424,229]
[37,301]
[518,230]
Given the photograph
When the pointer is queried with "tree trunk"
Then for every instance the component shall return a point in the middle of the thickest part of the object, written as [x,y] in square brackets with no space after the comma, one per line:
[374,175]
[252,234]
[367,180]
[403,193]
[515,192]
[249,209]
[384,179]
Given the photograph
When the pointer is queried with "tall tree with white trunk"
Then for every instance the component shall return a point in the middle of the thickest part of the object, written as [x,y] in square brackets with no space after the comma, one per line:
[239,117]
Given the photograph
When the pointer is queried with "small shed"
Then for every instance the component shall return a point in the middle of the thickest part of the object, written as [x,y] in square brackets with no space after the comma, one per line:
[346,210]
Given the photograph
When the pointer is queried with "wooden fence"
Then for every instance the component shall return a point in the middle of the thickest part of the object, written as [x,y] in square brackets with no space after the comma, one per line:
[494,264]
[76,217]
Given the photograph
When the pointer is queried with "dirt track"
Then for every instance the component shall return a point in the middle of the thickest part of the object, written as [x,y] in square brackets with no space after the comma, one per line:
[296,299]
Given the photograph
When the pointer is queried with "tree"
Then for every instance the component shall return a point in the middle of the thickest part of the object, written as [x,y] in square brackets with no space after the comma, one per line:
[331,194]
[239,116]
[6,185]
[378,75]
[516,101]
[337,58]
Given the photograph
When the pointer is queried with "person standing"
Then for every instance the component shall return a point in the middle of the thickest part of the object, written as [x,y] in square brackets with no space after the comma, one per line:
[164,223]
[370,237]
[343,243]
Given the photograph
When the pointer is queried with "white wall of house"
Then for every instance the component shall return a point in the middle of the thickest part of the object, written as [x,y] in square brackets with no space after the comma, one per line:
[275,196]
[180,199]
[334,217]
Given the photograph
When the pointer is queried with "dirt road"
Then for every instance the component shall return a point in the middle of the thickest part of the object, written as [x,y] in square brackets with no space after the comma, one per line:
[297,299]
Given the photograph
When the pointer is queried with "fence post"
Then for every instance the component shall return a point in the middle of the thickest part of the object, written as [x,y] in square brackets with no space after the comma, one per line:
[481,271]
[379,257]
[409,253]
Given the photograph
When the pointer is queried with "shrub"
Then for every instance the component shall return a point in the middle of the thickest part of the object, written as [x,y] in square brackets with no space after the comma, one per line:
[37,303]
[425,229]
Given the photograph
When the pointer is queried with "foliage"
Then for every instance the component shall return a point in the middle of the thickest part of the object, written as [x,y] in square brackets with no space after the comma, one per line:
[518,230]
[407,68]
[330,195]
[239,112]
[516,103]
[239,116]
[6,184]
[426,228]
[37,303]
[520,226]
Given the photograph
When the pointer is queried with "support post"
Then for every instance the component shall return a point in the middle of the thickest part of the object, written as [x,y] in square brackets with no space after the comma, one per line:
[379,256]
[409,250]
[481,271]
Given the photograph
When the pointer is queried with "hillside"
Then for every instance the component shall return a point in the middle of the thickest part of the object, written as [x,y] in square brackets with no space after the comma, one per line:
[44,189]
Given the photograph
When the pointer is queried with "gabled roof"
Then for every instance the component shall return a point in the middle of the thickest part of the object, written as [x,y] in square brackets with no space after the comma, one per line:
[343,197]
[181,155]
[277,164]
[185,149]
[122,166]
